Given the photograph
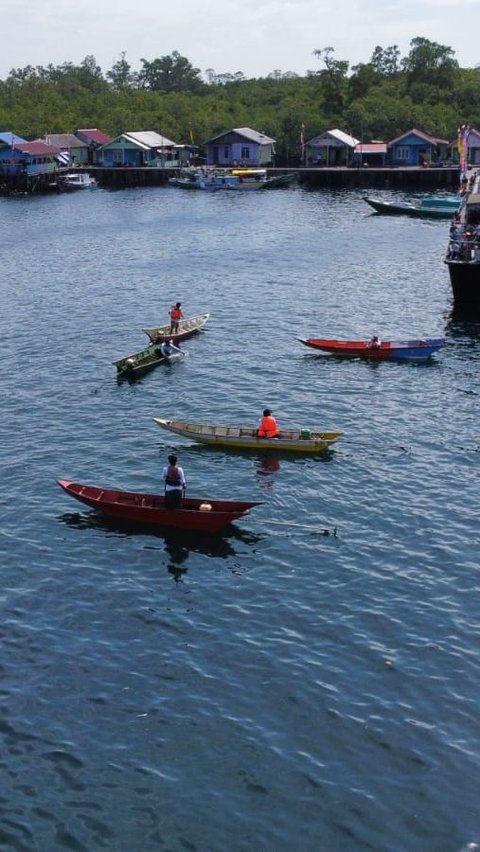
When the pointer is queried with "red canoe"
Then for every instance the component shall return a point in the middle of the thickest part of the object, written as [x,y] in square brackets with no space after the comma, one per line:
[195,514]
[413,350]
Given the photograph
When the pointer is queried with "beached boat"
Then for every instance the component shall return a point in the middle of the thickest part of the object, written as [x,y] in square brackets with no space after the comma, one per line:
[186,328]
[463,254]
[214,179]
[413,350]
[195,514]
[429,208]
[75,180]
[245,437]
[133,366]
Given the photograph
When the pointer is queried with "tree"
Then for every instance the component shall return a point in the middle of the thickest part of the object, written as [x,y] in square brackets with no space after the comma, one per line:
[386,61]
[172,73]
[431,63]
[120,74]
[333,79]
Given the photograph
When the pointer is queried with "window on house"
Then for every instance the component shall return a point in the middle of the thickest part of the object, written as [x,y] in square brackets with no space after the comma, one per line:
[403,152]
[245,153]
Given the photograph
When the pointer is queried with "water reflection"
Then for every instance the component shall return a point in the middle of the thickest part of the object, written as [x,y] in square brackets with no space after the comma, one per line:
[266,467]
[178,543]
[463,322]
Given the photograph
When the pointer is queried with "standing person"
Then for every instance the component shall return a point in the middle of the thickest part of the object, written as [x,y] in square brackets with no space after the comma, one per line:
[175,483]
[267,425]
[175,316]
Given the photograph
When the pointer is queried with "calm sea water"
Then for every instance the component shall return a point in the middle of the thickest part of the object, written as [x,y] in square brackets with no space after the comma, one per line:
[276,688]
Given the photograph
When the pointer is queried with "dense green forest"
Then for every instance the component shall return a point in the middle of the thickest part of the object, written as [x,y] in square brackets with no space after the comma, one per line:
[379,99]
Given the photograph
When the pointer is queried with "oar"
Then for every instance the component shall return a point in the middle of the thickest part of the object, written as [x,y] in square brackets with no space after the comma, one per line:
[304,527]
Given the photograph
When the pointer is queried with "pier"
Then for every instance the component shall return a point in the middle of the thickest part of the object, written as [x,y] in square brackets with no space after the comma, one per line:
[419,179]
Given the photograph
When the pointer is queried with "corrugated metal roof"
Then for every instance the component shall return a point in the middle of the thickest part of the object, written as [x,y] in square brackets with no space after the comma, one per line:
[432,140]
[95,135]
[371,148]
[8,138]
[37,149]
[337,136]
[247,133]
[64,140]
[149,139]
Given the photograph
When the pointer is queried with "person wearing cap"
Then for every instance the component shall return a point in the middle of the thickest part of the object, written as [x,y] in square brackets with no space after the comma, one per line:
[175,483]
[175,316]
[168,348]
[267,425]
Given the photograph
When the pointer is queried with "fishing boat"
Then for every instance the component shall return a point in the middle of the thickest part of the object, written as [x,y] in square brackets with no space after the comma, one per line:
[245,437]
[136,365]
[429,208]
[195,514]
[412,350]
[74,181]
[215,179]
[186,328]
[463,253]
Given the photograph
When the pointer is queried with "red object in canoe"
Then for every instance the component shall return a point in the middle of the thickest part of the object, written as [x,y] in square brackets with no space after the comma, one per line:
[150,508]
[413,350]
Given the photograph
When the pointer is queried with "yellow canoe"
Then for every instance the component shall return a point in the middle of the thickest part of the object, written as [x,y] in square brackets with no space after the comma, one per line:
[245,437]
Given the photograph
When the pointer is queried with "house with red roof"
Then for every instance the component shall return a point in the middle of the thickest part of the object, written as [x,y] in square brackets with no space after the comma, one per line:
[94,138]
[17,156]
[416,148]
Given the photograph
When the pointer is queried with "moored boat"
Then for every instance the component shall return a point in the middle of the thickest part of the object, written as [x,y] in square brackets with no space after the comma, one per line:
[196,514]
[413,350]
[133,366]
[430,207]
[75,180]
[245,437]
[463,254]
[186,328]
[214,179]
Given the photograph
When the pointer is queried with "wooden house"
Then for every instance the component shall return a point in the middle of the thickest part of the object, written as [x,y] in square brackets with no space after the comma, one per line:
[240,146]
[74,151]
[332,148]
[94,139]
[473,146]
[145,148]
[17,156]
[416,148]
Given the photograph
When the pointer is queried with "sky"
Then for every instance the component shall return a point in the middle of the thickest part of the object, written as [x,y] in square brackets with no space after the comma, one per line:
[254,37]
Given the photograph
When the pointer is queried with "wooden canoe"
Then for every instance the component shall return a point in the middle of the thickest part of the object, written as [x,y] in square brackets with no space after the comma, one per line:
[150,508]
[132,366]
[412,350]
[295,440]
[186,328]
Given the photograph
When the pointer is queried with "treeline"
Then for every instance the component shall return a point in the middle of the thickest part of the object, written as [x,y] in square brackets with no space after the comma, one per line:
[379,99]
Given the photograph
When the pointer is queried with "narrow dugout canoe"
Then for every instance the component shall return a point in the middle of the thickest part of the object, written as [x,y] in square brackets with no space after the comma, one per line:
[245,437]
[139,363]
[150,508]
[413,350]
[186,328]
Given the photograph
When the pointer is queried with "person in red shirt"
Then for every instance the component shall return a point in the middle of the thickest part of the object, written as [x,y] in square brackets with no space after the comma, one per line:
[267,425]
[175,316]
